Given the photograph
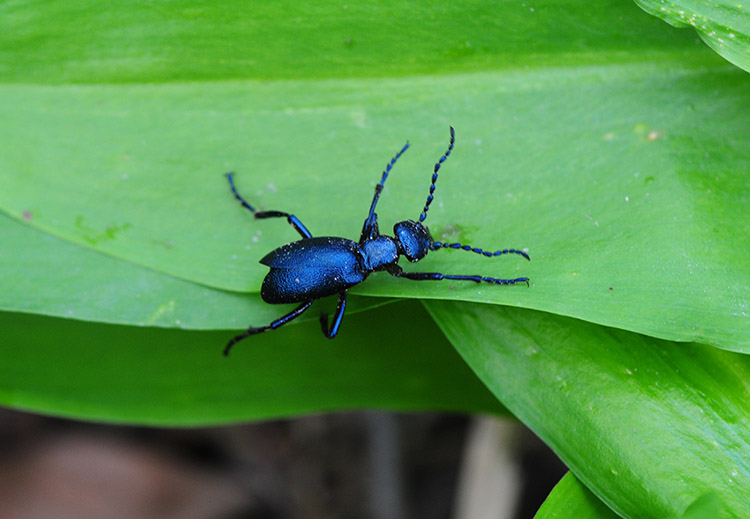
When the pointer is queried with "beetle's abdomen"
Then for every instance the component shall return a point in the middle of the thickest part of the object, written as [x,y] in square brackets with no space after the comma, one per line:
[311,268]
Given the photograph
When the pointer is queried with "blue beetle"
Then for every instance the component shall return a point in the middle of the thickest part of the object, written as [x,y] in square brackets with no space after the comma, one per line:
[314,267]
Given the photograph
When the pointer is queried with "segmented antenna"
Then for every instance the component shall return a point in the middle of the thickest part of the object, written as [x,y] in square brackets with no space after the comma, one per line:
[379,187]
[440,245]
[435,176]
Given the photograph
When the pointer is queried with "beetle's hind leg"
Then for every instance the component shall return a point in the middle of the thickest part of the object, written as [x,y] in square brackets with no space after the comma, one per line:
[293,220]
[275,324]
[337,318]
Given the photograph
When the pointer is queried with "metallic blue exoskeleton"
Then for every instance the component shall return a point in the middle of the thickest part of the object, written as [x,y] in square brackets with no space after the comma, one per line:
[316,267]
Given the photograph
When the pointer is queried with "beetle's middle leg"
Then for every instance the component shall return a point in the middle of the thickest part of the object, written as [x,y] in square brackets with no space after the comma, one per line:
[337,318]
[275,324]
[293,220]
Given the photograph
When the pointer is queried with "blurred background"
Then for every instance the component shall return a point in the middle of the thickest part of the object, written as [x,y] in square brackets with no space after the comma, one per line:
[349,465]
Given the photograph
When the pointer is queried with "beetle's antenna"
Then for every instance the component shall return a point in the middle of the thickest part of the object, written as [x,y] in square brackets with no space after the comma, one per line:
[435,176]
[379,187]
[440,245]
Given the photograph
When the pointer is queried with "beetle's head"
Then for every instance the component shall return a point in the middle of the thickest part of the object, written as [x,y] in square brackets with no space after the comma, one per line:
[413,239]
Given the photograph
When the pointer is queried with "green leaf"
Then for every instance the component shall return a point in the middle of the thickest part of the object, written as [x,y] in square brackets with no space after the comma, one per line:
[647,425]
[198,40]
[174,377]
[618,163]
[723,25]
[46,275]
[625,219]
[570,499]
[706,506]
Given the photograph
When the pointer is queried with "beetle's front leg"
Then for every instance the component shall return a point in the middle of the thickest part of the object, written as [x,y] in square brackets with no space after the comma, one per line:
[337,318]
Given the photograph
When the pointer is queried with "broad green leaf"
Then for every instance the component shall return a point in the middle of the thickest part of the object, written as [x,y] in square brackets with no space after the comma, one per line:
[90,41]
[723,24]
[174,377]
[706,506]
[649,426]
[45,275]
[630,199]
[619,162]
[570,499]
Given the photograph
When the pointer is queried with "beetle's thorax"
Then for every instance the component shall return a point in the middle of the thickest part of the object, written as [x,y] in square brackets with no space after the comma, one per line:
[379,252]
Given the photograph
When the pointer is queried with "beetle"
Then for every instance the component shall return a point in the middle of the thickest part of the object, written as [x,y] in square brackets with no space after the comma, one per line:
[315,267]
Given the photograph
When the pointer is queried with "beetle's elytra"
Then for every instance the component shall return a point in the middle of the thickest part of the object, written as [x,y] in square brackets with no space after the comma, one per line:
[316,267]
